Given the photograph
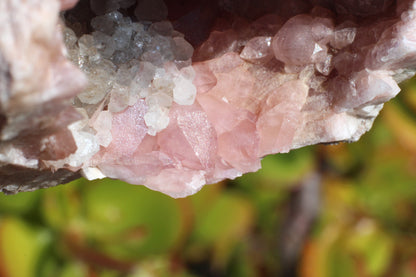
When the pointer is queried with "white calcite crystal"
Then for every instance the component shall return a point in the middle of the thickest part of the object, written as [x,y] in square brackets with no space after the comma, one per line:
[126,61]
[175,106]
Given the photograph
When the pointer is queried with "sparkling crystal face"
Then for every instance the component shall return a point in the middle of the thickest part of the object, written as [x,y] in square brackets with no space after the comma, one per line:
[185,93]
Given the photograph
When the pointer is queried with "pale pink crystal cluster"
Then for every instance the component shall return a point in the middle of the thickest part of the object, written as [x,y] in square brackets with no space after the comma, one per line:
[295,73]
[313,80]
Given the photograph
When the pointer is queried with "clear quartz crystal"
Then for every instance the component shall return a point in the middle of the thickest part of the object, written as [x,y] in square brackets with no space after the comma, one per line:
[70,38]
[157,119]
[258,48]
[344,37]
[125,61]
[183,50]
[184,91]
[104,44]
[102,125]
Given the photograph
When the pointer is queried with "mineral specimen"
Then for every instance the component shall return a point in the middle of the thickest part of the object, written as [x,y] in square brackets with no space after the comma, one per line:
[37,84]
[177,105]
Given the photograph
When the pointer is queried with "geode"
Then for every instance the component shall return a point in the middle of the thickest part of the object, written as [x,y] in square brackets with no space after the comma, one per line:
[174,95]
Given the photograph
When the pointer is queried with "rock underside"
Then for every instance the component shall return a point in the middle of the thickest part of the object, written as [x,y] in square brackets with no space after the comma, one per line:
[175,95]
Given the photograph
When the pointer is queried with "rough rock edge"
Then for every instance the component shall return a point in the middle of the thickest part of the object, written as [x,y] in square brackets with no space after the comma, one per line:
[12,108]
[37,84]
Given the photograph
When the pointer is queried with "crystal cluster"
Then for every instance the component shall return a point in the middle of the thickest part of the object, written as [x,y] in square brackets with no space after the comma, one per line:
[126,61]
[263,79]
[283,84]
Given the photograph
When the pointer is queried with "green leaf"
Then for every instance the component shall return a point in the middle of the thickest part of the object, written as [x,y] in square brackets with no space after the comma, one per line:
[279,171]
[61,205]
[20,203]
[20,247]
[73,269]
[228,220]
[130,221]
[372,246]
[340,264]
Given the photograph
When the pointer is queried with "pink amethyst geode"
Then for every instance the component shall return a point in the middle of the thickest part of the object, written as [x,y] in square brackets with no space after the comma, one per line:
[175,106]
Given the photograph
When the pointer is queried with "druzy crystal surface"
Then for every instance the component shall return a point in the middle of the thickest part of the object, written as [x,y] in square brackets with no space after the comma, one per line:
[179,96]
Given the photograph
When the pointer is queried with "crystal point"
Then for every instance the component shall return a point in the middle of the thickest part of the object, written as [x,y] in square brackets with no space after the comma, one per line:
[174,105]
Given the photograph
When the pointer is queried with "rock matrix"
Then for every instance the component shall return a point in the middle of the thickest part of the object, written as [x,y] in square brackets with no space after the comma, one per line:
[166,109]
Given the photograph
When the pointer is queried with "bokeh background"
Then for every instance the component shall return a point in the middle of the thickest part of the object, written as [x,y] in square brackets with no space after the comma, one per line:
[321,211]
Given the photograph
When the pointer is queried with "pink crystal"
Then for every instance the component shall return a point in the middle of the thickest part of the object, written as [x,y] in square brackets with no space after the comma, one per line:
[311,72]
[302,40]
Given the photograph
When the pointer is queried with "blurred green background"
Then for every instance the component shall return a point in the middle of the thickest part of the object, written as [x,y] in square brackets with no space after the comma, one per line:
[321,211]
